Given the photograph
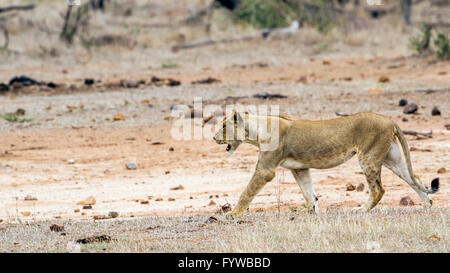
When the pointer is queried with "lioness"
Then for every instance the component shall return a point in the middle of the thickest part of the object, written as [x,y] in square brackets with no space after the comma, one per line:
[324,144]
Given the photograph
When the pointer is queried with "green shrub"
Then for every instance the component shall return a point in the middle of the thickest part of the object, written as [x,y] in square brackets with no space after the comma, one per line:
[442,47]
[421,43]
[14,117]
[264,13]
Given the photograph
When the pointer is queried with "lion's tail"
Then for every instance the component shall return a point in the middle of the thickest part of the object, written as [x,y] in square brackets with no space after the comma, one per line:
[434,183]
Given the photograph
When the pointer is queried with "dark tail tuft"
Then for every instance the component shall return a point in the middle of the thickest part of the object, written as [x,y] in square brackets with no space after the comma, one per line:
[435,184]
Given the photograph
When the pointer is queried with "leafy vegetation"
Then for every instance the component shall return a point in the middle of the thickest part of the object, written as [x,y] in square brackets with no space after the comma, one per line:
[14,117]
[442,47]
[422,43]
[265,13]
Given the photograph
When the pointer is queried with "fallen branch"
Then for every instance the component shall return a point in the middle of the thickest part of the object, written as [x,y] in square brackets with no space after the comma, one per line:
[10,8]
[209,41]
[416,133]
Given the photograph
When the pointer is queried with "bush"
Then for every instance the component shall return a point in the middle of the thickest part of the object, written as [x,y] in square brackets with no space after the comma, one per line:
[442,47]
[421,43]
[264,13]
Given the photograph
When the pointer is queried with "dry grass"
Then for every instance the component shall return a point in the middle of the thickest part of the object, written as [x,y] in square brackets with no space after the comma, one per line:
[383,230]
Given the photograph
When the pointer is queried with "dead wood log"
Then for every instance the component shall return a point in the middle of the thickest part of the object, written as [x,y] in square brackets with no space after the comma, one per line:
[416,133]
[11,8]
[209,41]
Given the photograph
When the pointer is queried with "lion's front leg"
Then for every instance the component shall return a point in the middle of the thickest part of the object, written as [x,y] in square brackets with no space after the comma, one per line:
[259,179]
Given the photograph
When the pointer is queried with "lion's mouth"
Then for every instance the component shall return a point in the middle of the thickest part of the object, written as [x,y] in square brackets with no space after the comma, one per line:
[228,147]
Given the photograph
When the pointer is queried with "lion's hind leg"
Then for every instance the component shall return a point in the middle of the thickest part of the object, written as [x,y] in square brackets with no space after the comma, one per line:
[395,161]
[303,179]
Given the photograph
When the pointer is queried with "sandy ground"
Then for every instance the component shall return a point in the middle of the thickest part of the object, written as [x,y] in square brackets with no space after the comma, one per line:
[35,156]
[74,149]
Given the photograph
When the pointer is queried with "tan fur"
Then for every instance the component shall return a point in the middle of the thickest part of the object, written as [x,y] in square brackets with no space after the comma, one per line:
[325,144]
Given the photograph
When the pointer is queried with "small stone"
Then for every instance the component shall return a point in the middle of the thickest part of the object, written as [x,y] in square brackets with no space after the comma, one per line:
[212,203]
[410,108]
[406,201]
[435,111]
[350,187]
[360,187]
[113,214]
[384,79]
[56,228]
[159,199]
[179,187]
[441,170]
[166,172]
[130,166]
[144,202]
[171,149]
[119,116]
[30,198]
[76,210]
[100,217]
[375,91]
[404,119]
[89,81]
[434,238]
[447,126]
[402,102]
[87,207]
[25,213]
[70,161]
[171,199]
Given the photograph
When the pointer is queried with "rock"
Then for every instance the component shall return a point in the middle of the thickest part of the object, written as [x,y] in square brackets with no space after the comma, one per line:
[406,201]
[88,201]
[208,80]
[89,81]
[434,238]
[384,79]
[30,198]
[435,111]
[212,219]
[71,161]
[410,108]
[119,116]
[171,149]
[4,88]
[179,187]
[302,79]
[325,62]
[113,214]
[375,91]
[24,81]
[87,207]
[95,239]
[25,213]
[360,187]
[267,96]
[56,228]
[350,187]
[76,210]
[441,170]
[101,217]
[225,208]
[404,119]
[144,202]
[159,199]
[130,84]
[20,112]
[130,166]
[212,203]
[402,102]
[170,199]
